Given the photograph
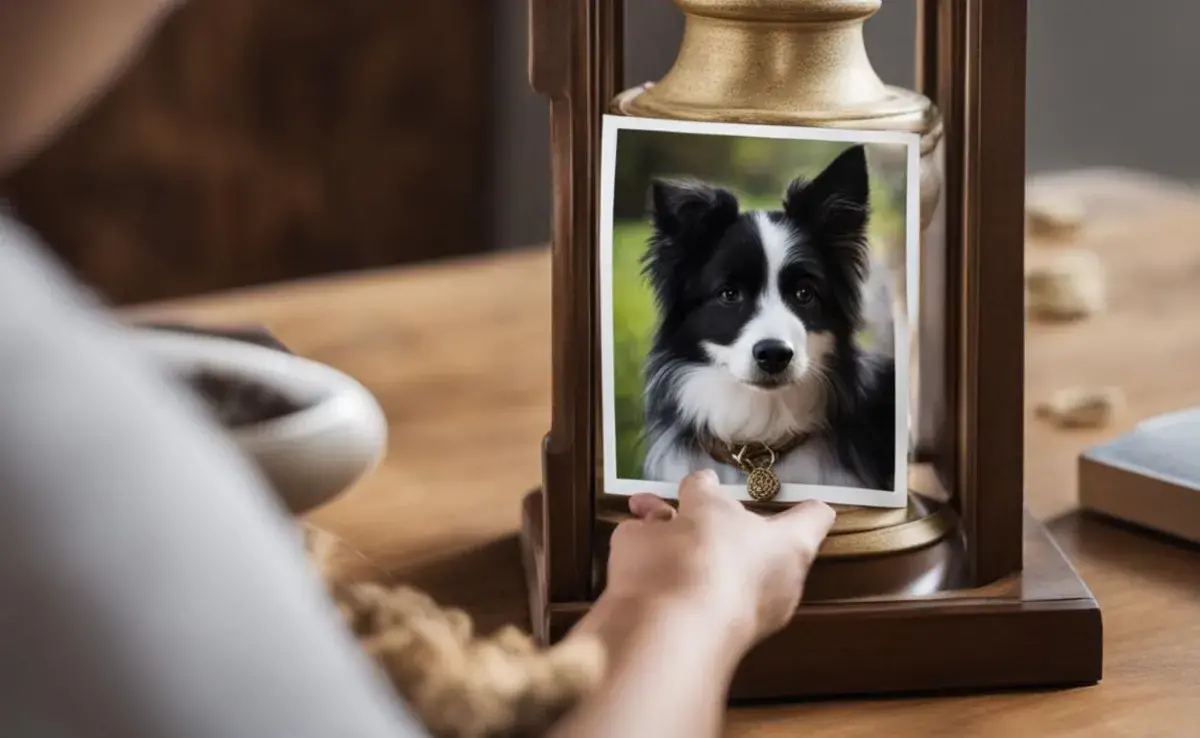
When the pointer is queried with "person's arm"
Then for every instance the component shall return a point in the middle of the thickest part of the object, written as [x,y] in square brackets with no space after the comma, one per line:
[688,594]
[56,56]
[150,584]
[669,669]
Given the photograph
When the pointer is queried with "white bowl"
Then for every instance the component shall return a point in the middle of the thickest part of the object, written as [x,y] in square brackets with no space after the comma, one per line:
[336,434]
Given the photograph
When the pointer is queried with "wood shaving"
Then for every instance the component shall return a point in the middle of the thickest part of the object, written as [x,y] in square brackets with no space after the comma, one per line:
[1054,217]
[1081,407]
[1064,284]
[459,684]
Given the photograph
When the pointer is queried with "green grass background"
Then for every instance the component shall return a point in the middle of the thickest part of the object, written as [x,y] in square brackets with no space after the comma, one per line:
[757,171]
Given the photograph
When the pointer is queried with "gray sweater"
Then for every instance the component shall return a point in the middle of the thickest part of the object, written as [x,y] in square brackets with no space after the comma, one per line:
[150,586]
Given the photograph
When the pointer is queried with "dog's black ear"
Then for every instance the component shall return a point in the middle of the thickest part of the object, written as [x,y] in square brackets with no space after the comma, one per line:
[837,202]
[688,220]
[833,209]
[678,208]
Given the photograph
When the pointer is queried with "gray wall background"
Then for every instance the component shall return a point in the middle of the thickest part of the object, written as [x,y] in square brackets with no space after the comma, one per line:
[1107,86]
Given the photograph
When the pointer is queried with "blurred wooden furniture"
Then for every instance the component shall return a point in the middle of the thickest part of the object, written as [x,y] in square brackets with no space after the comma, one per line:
[260,140]
[458,355]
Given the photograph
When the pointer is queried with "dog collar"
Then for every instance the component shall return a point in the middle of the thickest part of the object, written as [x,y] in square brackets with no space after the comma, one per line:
[756,460]
[755,454]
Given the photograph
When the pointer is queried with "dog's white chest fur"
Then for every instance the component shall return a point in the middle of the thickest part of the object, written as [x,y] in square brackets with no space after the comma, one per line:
[708,397]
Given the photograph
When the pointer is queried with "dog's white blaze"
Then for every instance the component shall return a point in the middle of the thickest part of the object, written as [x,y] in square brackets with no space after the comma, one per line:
[772,319]
[777,241]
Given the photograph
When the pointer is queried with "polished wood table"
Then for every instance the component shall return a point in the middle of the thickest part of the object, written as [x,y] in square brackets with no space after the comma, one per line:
[458,355]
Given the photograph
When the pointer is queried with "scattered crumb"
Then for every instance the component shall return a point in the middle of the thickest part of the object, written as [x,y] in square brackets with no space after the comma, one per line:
[1064,284]
[1081,407]
[1054,217]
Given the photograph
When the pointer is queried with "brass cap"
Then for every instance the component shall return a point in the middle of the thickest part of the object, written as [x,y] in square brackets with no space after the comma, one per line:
[810,11]
[786,62]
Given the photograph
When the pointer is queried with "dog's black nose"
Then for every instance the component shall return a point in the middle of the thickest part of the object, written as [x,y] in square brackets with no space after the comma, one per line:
[772,355]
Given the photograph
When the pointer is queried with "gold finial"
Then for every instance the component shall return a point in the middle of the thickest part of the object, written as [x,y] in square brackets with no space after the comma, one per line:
[799,62]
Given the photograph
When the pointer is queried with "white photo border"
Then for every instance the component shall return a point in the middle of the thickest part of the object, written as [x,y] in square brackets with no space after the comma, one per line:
[612,124]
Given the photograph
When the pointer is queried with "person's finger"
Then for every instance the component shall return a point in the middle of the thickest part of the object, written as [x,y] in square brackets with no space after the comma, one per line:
[805,526]
[699,490]
[651,507]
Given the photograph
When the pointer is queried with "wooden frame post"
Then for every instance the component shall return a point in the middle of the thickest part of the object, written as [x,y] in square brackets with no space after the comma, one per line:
[1009,611]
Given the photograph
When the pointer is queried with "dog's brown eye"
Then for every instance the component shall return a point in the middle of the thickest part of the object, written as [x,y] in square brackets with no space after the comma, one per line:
[729,295]
[805,296]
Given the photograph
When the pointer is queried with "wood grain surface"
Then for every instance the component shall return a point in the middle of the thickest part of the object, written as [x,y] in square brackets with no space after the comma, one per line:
[262,140]
[459,357]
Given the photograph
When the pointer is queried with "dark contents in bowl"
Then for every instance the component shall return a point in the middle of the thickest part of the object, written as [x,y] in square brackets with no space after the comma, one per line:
[238,402]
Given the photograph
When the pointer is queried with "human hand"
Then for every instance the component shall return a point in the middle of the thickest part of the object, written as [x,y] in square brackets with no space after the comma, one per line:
[688,593]
[746,572]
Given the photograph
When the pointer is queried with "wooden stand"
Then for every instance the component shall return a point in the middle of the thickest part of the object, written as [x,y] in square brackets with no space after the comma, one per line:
[989,603]
[1039,627]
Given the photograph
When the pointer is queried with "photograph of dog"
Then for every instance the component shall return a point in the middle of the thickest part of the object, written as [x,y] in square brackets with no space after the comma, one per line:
[752,308]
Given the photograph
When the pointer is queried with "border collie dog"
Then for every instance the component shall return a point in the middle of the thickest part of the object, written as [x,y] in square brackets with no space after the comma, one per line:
[755,343]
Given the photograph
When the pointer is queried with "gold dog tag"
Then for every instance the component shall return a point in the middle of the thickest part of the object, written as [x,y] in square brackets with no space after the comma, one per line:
[762,484]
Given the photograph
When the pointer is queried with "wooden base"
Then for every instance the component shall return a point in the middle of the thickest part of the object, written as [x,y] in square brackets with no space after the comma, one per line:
[858,532]
[1038,628]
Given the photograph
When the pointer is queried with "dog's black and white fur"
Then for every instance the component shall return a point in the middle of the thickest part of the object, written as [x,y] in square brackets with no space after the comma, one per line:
[758,313]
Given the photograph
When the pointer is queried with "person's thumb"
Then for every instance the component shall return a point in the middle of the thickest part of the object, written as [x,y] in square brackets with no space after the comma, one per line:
[805,526]
[698,490]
